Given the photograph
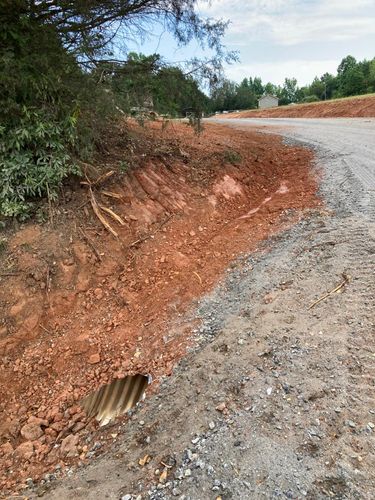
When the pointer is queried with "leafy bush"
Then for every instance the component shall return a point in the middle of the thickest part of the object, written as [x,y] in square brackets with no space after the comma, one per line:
[232,156]
[311,98]
[34,158]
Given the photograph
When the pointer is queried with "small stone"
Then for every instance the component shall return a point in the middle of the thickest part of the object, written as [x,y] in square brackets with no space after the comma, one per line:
[211,425]
[187,473]
[371,425]
[69,446]
[6,448]
[24,450]
[196,440]
[94,359]
[126,497]
[163,476]
[210,470]
[31,432]
[176,492]
[269,391]
[351,424]
[221,407]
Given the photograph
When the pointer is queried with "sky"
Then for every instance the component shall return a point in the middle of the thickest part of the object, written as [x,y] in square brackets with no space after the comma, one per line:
[283,38]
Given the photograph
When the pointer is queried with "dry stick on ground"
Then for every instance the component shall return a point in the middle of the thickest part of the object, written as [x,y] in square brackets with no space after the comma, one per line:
[341,285]
[94,203]
[148,236]
[91,244]
[97,212]
[197,275]
[114,216]
[111,194]
[44,328]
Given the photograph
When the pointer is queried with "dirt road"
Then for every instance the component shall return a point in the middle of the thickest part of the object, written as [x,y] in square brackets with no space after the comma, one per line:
[277,399]
[351,141]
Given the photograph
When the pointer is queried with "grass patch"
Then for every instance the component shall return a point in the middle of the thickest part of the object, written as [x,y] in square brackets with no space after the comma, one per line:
[231,156]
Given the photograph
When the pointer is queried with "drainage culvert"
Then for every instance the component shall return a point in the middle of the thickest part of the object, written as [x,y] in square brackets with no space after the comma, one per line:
[116,398]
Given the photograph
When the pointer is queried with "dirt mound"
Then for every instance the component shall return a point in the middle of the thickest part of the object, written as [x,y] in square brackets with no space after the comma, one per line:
[81,307]
[349,108]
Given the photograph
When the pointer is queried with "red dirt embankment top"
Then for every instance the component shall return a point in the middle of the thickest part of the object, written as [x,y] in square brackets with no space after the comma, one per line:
[355,107]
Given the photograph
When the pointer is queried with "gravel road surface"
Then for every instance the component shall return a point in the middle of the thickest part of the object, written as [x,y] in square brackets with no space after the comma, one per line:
[277,400]
[351,139]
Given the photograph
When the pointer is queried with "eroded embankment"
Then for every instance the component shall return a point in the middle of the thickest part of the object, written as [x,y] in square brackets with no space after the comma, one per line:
[355,107]
[80,307]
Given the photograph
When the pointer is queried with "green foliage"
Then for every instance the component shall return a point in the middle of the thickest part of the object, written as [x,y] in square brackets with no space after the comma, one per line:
[143,83]
[34,159]
[232,156]
[310,98]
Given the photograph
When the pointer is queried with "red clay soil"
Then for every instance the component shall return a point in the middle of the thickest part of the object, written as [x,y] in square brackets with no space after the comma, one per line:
[350,108]
[80,307]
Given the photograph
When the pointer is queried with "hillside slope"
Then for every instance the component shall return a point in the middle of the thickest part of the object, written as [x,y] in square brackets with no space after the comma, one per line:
[360,106]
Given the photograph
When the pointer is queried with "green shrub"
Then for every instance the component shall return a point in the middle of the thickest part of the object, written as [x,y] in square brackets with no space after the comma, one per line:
[311,98]
[34,159]
[232,156]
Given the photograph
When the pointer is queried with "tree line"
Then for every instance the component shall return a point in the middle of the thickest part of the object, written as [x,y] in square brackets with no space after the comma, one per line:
[353,78]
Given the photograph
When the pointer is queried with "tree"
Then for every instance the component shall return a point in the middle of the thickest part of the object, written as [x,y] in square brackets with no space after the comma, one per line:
[351,78]
[256,86]
[347,64]
[270,89]
[288,93]
[245,96]
[57,65]
[371,76]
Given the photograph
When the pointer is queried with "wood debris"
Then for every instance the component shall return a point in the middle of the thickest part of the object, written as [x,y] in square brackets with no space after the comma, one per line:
[346,279]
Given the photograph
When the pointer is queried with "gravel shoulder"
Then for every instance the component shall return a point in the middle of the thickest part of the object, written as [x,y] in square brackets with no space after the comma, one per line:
[277,398]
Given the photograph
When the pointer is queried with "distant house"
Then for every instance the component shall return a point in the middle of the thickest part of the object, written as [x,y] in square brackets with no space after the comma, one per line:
[268,101]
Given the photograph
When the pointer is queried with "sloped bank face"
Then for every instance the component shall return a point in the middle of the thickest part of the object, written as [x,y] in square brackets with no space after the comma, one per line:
[354,107]
[82,308]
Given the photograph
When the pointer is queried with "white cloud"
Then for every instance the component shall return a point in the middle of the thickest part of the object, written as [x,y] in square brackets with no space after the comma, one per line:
[301,38]
[290,22]
[275,72]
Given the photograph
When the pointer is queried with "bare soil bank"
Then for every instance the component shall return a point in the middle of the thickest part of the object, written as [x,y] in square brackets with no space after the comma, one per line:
[81,307]
[350,108]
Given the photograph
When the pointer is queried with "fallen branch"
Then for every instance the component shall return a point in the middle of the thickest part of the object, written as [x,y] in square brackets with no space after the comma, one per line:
[44,328]
[99,180]
[10,273]
[97,212]
[148,236]
[111,194]
[338,287]
[114,216]
[91,244]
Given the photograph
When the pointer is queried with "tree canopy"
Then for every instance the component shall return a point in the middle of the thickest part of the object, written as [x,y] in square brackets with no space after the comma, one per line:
[66,69]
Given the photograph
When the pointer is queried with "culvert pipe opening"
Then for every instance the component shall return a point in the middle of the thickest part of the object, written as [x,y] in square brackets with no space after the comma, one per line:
[115,398]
